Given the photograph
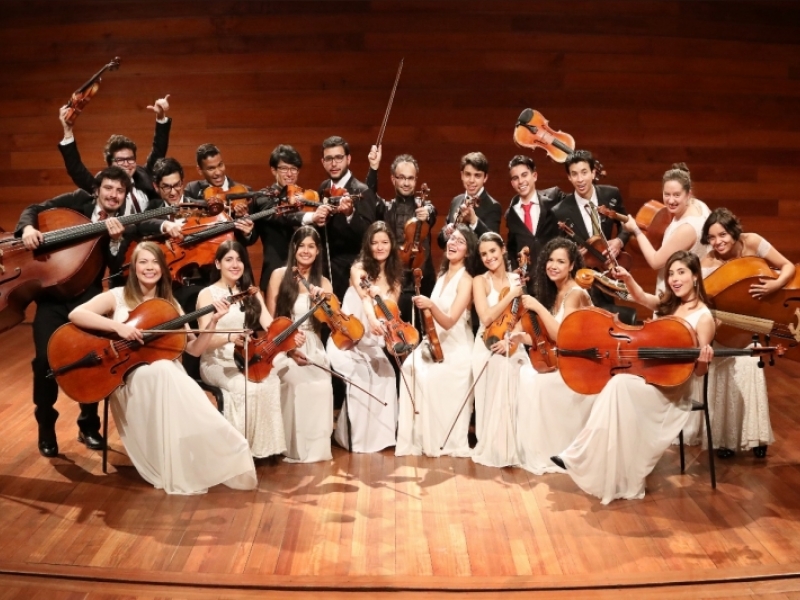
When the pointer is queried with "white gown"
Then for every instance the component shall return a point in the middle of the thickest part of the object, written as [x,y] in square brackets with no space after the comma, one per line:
[217,368]
[496,399]
[630,427]
[550,414]
[371,425]
[439,388]
[174,436]
[306,397]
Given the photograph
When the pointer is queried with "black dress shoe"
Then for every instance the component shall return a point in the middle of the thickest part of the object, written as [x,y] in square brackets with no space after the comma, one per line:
[48,448]
[725,453]
[559,462]
[760,451]
[92,440]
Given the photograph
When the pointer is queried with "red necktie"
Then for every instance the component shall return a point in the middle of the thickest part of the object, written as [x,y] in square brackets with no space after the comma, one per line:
[102,215]
[526,208]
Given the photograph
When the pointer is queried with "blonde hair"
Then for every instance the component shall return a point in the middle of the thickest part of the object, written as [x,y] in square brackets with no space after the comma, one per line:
[133,290]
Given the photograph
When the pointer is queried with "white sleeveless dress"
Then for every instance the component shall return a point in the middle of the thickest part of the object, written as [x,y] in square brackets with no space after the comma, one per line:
[496,398]
[172,433]
[550,414]
[306,396]
[439,388]
[630,426]
[263,402]
[370,425]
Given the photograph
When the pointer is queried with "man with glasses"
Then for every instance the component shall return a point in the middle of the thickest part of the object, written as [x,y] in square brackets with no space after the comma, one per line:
[343,228]
[120,151]
[398,212]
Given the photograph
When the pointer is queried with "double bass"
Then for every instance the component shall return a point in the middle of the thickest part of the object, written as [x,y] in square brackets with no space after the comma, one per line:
[594,345]
[90,365]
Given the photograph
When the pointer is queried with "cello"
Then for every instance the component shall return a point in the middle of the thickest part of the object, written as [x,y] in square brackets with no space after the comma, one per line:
[594,345]
[533,131]
[80,97]
[434,346]
[346,330]
[653,218]
[89,366]
[401,337]
[503,325]
[67,261]
[412,255]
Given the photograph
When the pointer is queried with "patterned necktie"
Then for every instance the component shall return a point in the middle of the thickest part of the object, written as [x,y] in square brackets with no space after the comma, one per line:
[102,215]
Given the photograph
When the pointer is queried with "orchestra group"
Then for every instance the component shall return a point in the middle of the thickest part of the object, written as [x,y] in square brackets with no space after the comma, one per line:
[342,318]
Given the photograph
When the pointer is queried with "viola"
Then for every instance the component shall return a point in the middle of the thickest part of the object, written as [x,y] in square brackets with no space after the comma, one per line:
[777,314]
[503,325]
[653,218]
[434,346]
[346,330]
[261,352]
[235,197]
[80,97]
[594,257]
[533,131]
[89,365]
[588,277]
[594,345]
[66,263]
[412,255]
[469,202]
[309,200]
[401,337]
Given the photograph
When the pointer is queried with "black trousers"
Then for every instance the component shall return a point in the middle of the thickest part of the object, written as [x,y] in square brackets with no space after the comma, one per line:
[50,315]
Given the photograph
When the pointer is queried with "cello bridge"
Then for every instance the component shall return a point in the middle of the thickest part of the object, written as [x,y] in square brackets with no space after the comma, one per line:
[795,329]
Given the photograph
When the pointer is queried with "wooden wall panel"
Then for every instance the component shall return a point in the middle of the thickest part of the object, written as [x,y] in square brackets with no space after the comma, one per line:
[641,84]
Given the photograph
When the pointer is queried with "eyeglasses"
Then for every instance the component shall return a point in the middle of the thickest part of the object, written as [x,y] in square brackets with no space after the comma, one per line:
[124,160]
[331,159]
[458,240]
[166,188]
[403,178]
[285,170]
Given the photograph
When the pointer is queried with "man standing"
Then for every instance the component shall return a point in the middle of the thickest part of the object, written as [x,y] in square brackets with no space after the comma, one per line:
[113,184]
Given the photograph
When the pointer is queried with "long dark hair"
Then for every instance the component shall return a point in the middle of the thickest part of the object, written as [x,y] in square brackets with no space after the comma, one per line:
[669,302]
[251,305]
[288,290]
[392,268]
[727,220]
[490,236]
[544,288]
[132,293]
[472,251]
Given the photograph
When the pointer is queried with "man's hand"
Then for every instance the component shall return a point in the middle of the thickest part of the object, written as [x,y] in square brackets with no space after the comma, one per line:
[374,157]
[422,213]
[160,107]
[245,226]
[31,237]
[321,215]
[614,247]
[115,228]
[62,116]
[173,230]
[346,206]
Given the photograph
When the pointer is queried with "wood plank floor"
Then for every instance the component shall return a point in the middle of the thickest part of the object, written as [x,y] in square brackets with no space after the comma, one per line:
[376,523]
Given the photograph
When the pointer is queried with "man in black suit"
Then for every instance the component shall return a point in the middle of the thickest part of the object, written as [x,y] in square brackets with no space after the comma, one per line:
[113,184]
[581,169]
[121,152]
[477,208]
[343,230]
[213,171]
[529,218]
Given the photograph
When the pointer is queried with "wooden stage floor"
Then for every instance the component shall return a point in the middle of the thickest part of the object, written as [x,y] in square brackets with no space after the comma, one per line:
[375,525]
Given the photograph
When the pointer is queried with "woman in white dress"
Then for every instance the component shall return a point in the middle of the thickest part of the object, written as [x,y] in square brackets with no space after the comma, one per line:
[364,424]
[306,392]
[632,423]
[550,414]
[440,388]
[497,374]
[737,388]
[174,436]
[217,367]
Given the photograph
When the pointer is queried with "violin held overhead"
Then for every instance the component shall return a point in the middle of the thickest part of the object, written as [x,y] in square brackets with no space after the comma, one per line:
[80,97]
[533,131]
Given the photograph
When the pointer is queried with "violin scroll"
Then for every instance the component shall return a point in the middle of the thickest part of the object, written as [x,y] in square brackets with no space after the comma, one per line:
[80,97]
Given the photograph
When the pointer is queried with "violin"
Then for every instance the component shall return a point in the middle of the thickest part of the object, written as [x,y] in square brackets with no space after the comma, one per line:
[346,330]
[594,345]
[401,337]
[469,202]
[503,325]
[80,97]
[588,277]
[533,131]
[89,365]
[309,200]
[777,314]
[235,197]
[434,346]
[594,257]
[68,260]
[261,351]
[411,252]
[652,218]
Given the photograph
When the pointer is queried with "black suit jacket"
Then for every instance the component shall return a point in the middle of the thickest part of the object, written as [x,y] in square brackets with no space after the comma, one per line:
[195,189]
[489,213]
[142,178]
[568,210]
[520,236]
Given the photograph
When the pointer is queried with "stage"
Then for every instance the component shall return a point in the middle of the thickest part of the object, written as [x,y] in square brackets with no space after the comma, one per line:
[364,525]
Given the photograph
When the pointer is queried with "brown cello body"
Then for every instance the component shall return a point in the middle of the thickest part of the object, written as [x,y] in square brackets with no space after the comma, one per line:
[653,218]
[729,290]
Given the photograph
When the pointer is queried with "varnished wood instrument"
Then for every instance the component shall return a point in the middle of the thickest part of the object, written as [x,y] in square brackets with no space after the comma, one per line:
[588,277]
[412,254]
[533,131]
[80,97]
[503,325]
[401,337]
[594,246]
[89,365]
[68,260]
[653,218]
[428,323]
[594,345]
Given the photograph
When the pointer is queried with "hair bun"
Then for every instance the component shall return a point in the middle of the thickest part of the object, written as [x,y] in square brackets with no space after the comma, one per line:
[682,166]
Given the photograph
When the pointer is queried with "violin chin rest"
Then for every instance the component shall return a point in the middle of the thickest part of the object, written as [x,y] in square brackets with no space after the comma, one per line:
[525,116]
